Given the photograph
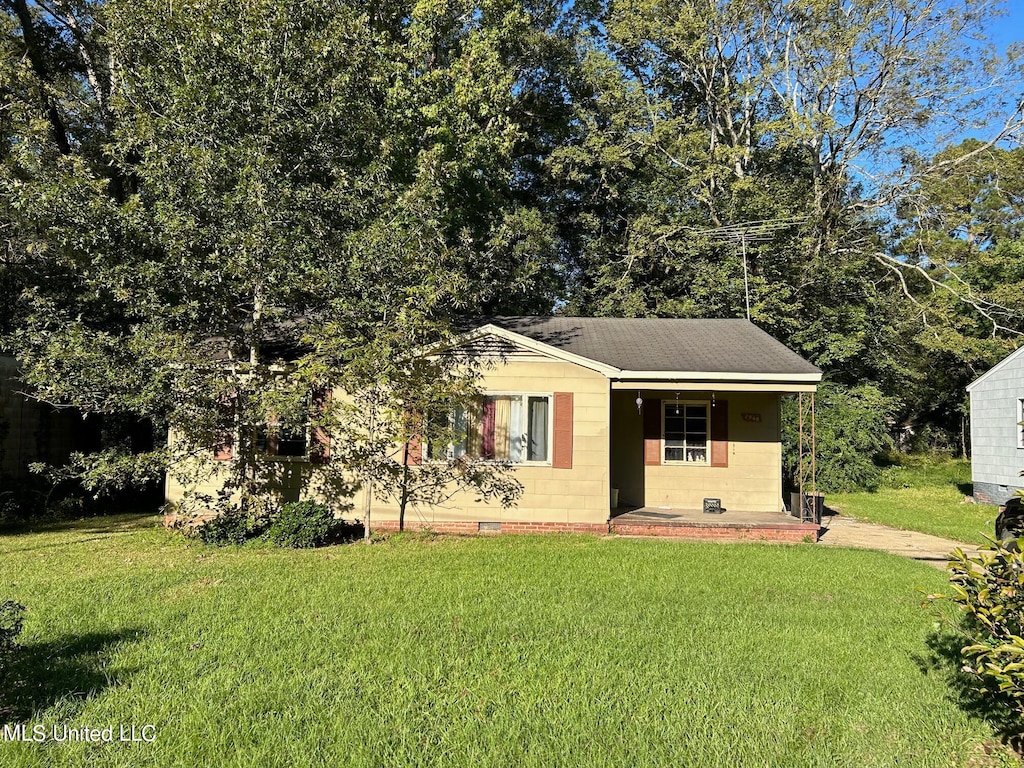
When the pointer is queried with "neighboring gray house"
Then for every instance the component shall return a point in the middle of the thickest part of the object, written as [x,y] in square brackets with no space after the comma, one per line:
[997,437]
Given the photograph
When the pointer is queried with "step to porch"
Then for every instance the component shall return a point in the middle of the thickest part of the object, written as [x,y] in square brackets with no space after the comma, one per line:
[694,524]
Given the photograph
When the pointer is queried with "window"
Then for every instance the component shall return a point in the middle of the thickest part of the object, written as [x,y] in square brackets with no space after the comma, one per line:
[1020,423]
[303,437]
[503,427]
[278,440]
[684,430]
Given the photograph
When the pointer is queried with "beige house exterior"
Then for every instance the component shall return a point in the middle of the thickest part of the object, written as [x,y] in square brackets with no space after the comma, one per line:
[605,415]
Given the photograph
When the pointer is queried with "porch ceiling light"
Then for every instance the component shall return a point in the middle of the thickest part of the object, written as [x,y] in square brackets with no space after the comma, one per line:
[639,402]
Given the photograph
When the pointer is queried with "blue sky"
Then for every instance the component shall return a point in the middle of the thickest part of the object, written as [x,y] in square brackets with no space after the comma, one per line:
[1010,28]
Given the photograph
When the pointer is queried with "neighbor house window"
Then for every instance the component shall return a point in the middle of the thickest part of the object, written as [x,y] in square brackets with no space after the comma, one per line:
[1020,423]
[510,427]
[684,431]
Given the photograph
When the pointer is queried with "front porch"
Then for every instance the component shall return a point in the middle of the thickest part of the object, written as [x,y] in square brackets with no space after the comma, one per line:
[739,525]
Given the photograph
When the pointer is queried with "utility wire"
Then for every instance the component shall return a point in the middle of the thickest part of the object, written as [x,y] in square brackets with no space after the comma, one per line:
[744,232]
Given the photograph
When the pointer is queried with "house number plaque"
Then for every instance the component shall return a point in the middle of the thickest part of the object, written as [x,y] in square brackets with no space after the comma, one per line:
[751,416]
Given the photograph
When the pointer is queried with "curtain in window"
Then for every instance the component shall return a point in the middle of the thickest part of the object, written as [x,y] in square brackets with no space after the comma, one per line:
[502,416]
[487,429]
[474,433]
[460,427]
[537,429]
[515,433]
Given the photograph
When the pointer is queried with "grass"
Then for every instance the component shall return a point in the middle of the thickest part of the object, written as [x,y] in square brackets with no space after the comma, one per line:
[924,494]
[532,651]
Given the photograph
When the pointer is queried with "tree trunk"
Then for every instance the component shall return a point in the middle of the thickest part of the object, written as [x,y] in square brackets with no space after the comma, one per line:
[404,500]
[369,478]
[34,52]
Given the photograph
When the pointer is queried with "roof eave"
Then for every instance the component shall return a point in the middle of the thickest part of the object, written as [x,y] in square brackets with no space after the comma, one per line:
[541,348]
[997,367]
[712,376]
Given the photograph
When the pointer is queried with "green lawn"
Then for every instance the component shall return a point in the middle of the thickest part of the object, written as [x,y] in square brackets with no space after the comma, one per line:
[923,495]
[506,651]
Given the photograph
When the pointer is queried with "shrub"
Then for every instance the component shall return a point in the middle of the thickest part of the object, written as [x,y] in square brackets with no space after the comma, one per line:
[989,590]
[232,526]
[851,427]
[301,524]
[12,616]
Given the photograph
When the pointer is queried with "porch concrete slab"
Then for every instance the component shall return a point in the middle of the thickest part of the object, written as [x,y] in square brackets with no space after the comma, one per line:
[839,531]
[659,515]
[695,524]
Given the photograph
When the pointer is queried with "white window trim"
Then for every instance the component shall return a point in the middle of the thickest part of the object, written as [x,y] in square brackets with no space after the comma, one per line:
[707,443]
[525,416]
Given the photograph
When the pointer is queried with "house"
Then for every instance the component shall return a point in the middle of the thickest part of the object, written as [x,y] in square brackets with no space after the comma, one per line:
[606,417]
[997,437]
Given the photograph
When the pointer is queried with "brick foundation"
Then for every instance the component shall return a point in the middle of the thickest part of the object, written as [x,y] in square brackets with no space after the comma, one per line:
[701,531]
[461,527]
[793,532]
[719,532]
[172,519]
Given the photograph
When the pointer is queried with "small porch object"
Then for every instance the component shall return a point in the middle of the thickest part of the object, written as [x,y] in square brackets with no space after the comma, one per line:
[713,507]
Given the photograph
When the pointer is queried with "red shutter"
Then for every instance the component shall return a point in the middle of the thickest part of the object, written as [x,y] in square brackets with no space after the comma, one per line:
[414,446]
[223,450]
[561,451]
[720,433]
[273,436]
[487,428]
[414,453]
[320,449]
[652,432]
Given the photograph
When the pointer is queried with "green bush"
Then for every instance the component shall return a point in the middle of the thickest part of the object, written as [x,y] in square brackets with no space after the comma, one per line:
[989,590]
[232,526]
[851,430]
[301,524]
[12,616]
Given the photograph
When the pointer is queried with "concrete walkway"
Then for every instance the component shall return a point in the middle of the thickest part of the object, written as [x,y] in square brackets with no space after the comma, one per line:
[849,532]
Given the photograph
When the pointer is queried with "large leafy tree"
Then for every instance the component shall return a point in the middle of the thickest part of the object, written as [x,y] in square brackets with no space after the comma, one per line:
[785,133]
[197,194]
[960,235]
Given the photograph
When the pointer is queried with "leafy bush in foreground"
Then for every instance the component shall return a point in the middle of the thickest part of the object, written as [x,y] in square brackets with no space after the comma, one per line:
[12,616]
[301,524]
[989,590]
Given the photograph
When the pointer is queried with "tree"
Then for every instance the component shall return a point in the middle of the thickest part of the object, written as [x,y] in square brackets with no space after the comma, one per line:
[851,430]
[960,233]
[395,440]
[795,123]
[255,190]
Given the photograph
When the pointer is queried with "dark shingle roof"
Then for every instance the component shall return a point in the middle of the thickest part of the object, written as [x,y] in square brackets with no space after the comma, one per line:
[656,344]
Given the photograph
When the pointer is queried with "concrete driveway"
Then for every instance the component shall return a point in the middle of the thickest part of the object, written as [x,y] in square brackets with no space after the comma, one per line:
[849,532]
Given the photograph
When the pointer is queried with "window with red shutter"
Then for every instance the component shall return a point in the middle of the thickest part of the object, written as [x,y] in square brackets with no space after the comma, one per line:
[320,447]
[720,433]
